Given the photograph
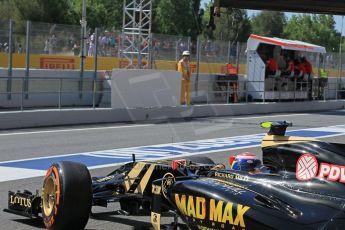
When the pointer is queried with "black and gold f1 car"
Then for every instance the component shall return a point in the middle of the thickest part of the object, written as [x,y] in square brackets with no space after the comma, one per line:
[300,185]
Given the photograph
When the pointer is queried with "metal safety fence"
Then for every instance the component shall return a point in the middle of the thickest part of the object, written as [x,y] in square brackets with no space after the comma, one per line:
[54,93]
[65,93]
[278,90]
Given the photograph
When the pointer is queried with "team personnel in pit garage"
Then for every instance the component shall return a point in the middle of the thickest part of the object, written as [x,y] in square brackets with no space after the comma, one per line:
[271,67]
[299,69]
[290,70]
[308,67]
[183,67]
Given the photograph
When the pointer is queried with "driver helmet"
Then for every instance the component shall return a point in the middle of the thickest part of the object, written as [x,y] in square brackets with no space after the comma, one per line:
[244,162]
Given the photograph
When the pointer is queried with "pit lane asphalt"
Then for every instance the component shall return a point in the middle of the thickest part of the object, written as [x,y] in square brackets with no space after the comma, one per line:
[28,143]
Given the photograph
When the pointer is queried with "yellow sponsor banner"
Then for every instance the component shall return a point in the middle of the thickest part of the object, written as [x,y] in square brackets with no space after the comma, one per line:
[164,65]
[38,61]
[42,61]
[3,60]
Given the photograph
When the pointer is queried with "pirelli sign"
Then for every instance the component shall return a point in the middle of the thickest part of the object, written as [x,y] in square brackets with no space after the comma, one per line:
[57,63]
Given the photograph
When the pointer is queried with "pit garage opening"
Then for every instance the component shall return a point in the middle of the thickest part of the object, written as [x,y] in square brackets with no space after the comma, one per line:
[279,85]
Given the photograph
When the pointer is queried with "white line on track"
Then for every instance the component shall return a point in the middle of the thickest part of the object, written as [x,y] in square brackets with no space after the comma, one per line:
[132,126]
[11,173]
[269,116]
[8,174]
[72,130]
[329,128]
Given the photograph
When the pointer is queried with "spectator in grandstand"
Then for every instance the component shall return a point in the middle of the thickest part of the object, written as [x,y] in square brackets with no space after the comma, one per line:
[104,43]
[99,40]
[71,41]
[91,44]
[19,48]
[46,47]
[193,47]
[208,48]
[6,47]
[181,46]
[52,44]
[166,45]
[145,45]
[76,48]
[112,41]
[183,67]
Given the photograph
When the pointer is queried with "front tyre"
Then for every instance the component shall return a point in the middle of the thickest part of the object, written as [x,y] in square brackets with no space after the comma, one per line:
[66,196]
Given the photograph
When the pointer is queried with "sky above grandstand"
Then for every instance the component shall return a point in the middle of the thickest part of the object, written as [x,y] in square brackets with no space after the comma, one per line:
[253,12]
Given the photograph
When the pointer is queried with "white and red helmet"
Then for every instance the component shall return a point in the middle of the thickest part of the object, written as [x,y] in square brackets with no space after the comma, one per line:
[244,161]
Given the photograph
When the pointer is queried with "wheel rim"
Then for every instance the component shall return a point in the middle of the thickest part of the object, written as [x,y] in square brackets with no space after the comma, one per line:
[49,195]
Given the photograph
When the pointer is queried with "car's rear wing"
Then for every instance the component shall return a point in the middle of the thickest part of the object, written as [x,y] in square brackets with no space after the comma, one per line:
[276,127]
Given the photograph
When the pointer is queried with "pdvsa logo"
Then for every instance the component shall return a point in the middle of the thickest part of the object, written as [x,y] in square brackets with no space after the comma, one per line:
[307,168]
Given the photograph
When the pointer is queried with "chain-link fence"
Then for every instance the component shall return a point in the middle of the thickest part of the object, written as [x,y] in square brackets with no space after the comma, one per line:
[167,47]
[65,92]
[4,47]
[331,61]
[4,32]
[109,43]
[18,35]
[54,39]
[216,51]
[210,55]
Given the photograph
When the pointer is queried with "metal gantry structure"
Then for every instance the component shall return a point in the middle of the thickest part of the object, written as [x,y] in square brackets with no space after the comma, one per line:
[136,33]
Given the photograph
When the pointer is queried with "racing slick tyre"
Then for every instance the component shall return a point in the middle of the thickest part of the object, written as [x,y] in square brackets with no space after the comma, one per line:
[66,196]
[200,160]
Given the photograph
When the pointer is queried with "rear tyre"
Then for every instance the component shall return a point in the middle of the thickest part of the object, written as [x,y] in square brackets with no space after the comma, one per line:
[66,196]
